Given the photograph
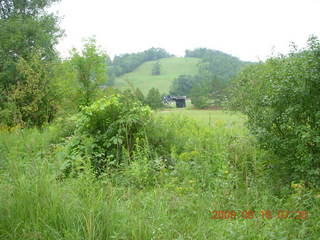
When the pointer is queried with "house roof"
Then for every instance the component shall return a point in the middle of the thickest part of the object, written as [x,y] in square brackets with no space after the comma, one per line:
[179,98]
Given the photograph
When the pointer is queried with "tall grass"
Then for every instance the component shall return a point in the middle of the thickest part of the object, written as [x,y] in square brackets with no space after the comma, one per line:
[210,167]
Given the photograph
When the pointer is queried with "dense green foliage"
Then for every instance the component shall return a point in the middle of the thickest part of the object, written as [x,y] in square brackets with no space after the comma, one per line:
[28,35]
[79,160]
[204,91]
[181,86]
[281,99]
[153,99]
[217,63]
[212,167]
[105,132]
[199,94]
[139,95]
[10,8]
[207,91]
[34,100]
[128,62]
[25,28]
[91,69]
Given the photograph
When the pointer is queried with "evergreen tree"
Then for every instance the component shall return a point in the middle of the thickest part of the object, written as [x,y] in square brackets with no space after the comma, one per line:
[156,68]
[154,99]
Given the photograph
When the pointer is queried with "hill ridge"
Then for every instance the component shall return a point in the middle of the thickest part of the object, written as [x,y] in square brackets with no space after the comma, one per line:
[170,68]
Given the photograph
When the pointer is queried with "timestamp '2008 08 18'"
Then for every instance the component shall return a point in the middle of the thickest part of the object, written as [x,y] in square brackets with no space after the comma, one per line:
[263,214]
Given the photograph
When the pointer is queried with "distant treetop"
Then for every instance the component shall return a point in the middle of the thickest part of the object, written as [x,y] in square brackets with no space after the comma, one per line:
[214,62]
[9,8]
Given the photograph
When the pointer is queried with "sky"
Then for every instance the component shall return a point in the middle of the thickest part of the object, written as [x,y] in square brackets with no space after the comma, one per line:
[251,30]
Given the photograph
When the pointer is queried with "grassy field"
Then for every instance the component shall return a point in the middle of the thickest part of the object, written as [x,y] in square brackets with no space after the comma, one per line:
[210,117]
[217,167]
[170,69]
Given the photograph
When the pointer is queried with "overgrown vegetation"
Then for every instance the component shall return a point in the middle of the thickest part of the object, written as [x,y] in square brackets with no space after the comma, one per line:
[281,99]
[33,101]
[173,181]
[81,161]
[28,35]
[105,133]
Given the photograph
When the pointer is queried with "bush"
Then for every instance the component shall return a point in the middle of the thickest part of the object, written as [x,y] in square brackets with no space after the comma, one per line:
[281,99]
[105,132]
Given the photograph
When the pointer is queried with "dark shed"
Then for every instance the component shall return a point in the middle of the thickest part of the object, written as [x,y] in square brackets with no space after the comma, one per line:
[180,101]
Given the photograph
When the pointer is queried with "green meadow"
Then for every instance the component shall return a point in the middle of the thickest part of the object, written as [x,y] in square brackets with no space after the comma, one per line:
[171,68]
[210,117]
[216,166]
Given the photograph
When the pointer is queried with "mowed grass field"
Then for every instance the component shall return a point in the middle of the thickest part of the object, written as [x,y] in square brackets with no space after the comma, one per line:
[171,68]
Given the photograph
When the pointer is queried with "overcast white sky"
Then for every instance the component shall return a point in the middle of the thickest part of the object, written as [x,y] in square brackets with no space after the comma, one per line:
[248,29]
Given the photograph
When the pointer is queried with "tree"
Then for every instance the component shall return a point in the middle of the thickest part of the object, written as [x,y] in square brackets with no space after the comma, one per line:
[154,99]
[281,99]
[66,86]
[199,93]
[9,8]
[156,68]
[34,101]
[139,95]
[216,69]
[25,28]
[207,90]
[217,63]
[28,35]
[91,68]
[181,86]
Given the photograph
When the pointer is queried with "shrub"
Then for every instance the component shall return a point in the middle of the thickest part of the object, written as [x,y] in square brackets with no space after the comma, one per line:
[281,99]
[104,130]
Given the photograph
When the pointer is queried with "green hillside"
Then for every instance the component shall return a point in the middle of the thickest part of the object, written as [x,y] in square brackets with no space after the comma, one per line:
[170,69]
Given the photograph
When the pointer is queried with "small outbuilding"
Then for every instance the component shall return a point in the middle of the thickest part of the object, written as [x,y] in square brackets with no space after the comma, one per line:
[180,101]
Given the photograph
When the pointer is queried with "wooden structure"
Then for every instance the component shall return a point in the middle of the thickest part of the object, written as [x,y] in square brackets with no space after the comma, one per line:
[180,101]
